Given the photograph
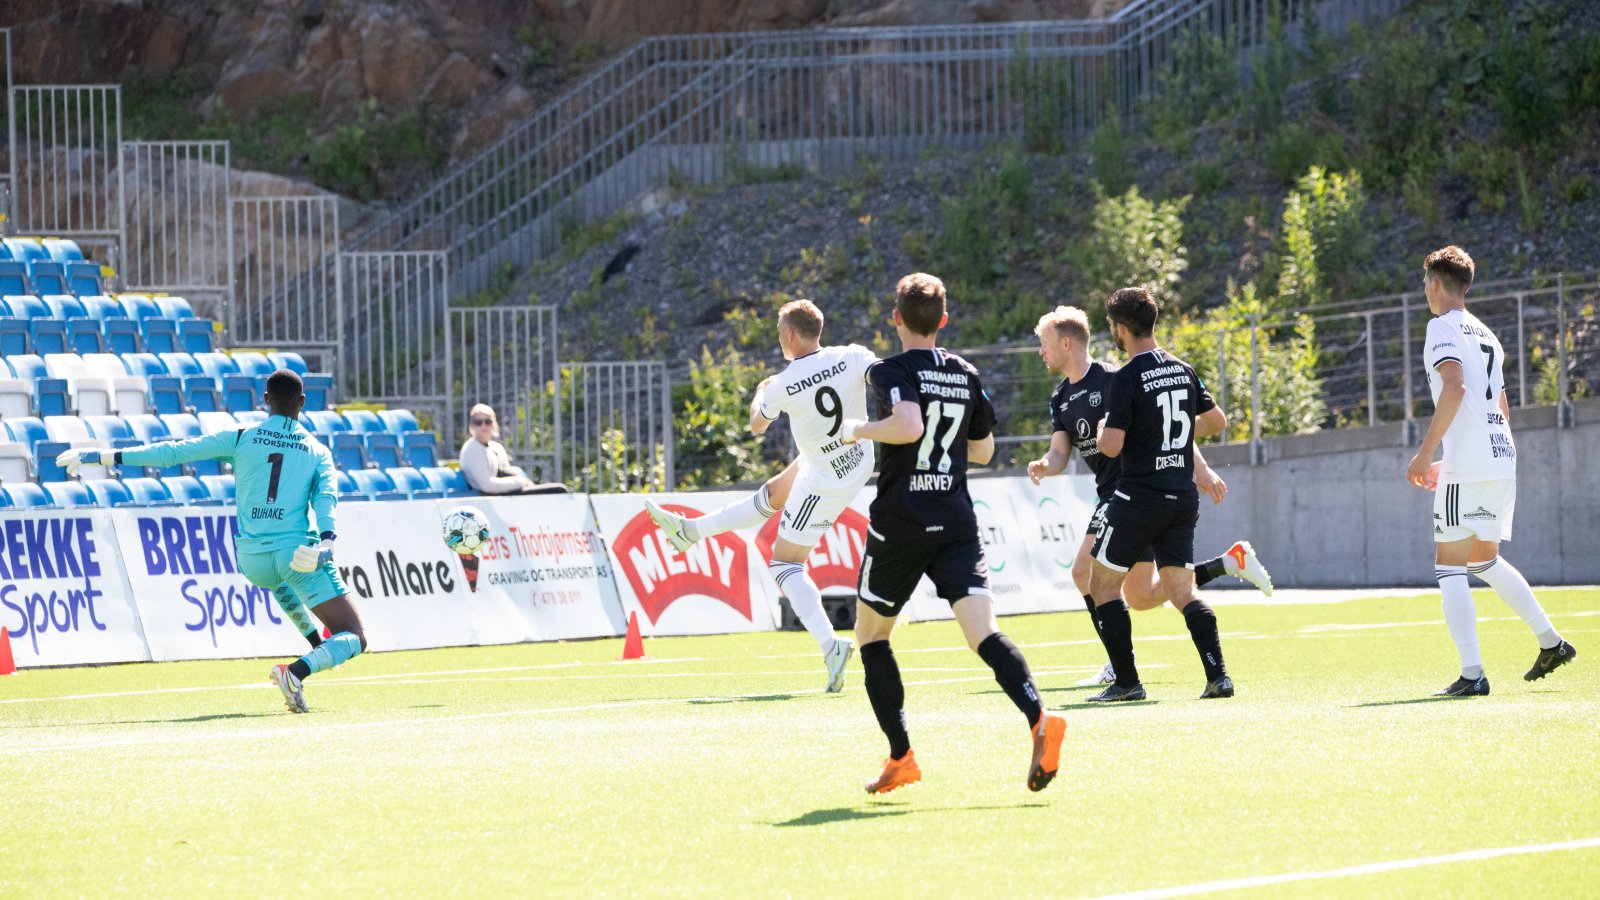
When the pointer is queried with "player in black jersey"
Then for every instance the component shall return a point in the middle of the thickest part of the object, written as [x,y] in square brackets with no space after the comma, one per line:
[1156,407]
[922,523]
[1076,411]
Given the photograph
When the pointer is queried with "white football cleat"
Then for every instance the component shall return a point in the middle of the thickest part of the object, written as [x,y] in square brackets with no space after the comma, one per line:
[1241,562]
[671,525]
[835,659]
[293,696]
[1105,676]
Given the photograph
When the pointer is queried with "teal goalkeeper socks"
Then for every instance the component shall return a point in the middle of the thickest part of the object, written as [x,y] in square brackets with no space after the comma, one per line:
[334,651]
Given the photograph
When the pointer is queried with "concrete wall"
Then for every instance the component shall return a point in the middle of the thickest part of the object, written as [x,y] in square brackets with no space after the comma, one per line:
[1334,509]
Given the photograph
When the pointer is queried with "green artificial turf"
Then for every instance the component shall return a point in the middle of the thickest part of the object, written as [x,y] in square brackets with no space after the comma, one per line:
[717,766]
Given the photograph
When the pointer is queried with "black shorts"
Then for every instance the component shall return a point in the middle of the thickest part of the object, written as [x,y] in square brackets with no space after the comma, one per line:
[1133,532]
[1097,524]
[890,572]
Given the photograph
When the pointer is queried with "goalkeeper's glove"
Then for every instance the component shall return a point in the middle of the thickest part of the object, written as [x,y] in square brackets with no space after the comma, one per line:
[312,557]
[76,458]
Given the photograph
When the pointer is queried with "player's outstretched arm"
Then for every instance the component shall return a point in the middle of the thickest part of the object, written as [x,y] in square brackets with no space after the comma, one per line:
[904,426]
[170,453]
[1053,461]
[760,421]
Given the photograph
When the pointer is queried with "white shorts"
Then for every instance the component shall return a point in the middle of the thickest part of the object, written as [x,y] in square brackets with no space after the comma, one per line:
[814,503]
[1474,509]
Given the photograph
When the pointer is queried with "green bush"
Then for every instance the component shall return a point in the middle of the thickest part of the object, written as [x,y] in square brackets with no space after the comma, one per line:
[1333,205]
[1133,242]
[1489,168]
[712,427]
[1108,150]
[982,220]
[1271,73]
[1290,151]
[1204,73]
[372,155]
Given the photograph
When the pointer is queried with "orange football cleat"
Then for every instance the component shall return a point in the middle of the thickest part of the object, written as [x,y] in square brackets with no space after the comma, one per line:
[897,773]
[1047,738]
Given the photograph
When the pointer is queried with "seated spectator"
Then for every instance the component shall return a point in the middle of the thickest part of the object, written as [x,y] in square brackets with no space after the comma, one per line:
[486,465]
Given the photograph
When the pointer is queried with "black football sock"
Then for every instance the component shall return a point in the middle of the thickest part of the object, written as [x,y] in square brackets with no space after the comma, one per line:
[1116,631]
[1012,674]
[1202,624]
[1209,570]
[1094,619]
[314,638]
[299,669]
[888,695]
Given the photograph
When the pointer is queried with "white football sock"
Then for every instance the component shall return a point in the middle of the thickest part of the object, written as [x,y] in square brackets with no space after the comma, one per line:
[1461,617]
[746,512]
[805,600]
[1514,590]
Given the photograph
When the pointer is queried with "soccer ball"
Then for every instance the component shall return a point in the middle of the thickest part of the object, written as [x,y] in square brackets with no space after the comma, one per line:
[466,530]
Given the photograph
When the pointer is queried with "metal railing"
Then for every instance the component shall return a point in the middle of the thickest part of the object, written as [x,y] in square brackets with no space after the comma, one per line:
[394,328]
[65,177]
[701,108]
[506,357]
[180,221]
[618,427]
[1368,369]
[288,276]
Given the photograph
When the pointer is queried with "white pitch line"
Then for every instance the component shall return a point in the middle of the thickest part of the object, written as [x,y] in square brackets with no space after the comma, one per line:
[1239,884]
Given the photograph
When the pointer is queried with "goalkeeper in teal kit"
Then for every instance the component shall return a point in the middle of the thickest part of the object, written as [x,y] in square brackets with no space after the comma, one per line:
[281,472]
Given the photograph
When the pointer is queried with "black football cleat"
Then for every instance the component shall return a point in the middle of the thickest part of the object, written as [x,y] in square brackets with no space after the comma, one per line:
[1467,687]
[1221,687]
[1550,660]
[1116,693]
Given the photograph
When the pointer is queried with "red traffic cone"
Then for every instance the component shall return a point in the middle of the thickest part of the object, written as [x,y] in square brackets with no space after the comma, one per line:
[633,645]
[7,663]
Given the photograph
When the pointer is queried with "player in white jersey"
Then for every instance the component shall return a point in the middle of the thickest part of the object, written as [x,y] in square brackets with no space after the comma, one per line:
[1475,482]
[821,388]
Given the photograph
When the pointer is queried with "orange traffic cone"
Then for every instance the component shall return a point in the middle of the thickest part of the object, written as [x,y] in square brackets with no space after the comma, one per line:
[7,663]
[633,645]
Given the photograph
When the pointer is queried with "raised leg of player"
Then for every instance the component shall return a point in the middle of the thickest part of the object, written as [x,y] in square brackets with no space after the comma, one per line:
[1177,582]
[348,639]
[1511,587]
[1082,566]
[1116,631]
[746,512]
[298,614]
[975,615]
[887,693]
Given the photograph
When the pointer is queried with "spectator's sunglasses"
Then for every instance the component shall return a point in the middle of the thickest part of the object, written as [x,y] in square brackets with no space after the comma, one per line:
[482,421]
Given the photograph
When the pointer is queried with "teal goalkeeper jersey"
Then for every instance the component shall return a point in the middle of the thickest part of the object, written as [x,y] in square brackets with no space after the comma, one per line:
[280,473]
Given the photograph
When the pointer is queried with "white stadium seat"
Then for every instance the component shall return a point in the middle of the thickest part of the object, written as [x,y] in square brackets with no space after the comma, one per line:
[91,394]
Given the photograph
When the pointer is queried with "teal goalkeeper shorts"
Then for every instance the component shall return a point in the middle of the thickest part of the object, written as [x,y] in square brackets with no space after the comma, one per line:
[270,569]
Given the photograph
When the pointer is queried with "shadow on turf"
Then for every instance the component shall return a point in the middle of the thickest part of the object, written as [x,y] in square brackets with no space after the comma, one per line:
[1407,702]
[879,811]
[756,698]
[182,721]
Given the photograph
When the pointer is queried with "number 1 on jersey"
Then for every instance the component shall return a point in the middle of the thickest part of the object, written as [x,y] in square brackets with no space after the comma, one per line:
[939,413]
[276,459]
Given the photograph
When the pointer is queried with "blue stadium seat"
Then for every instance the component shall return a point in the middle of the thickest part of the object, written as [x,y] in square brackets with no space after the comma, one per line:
[108,428]
[48,277]
[148,492]
[250,362]
[448,481]
[420,448]
[201,395]
[348,451]
[109,492]
[412,483]
[239,393]
[51,397]
[158,335]
[376,485]
[291,361]
[174,308]
[213,422]
[62,250]
[13,336]
[145,365]
[47,336]
[63,306]
[326,422]
[84,278]
[68,494]
[216,365]
[100,307]
[186,490]
[26,430]
[347,487]
[220,486]
[196,335]
[44,460]
[14,278]
[83,336]
[181,426]
[363,421]
[147,428]
[26,496]
[179,364]
[398,421]
[317,386]
[166,394]
[121,336]
[27,306]
[250,417]
[383,450]
[24,249]
[139,306]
